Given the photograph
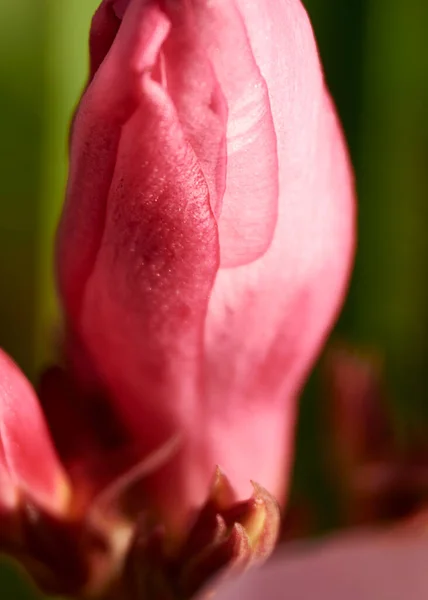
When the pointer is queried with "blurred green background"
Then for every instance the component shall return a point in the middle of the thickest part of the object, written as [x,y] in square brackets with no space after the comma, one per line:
[376,63]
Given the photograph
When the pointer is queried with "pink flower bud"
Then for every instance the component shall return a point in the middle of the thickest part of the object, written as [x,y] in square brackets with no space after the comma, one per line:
[207,233]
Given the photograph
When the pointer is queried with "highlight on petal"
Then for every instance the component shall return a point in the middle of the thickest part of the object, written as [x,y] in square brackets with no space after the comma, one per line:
[369,566]
[249,209]
[28,461]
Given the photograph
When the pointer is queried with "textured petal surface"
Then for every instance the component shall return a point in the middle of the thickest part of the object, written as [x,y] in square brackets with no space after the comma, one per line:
[27,456]
[249,208]
[146,297]
[369,567]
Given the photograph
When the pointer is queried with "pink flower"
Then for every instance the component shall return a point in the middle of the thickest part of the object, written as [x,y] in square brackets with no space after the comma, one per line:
[207,234]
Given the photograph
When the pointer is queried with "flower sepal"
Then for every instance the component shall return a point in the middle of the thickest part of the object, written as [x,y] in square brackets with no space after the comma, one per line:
[226,537]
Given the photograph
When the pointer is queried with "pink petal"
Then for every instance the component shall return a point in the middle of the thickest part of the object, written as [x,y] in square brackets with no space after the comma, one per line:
[27,458]
[138,247]
[104,27]
[249,209]
[8,492]
[369,567]
[145,300]
[106,106]
[267,320]
[119,7]
[190,81]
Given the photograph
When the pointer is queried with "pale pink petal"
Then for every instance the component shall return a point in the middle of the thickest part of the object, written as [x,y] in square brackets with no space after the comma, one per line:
[267,320]
[106,106]
[249,209]
[367,566]
[28,460]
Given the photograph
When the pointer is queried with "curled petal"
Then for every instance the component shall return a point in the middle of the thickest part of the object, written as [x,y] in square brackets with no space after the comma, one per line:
[270,317]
